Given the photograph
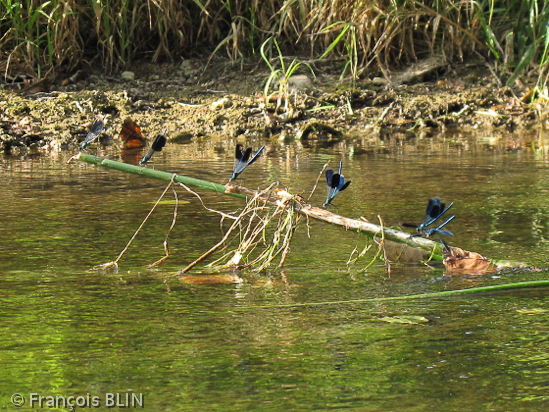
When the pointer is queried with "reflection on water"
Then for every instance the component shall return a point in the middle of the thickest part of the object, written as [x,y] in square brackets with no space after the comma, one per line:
[71,331]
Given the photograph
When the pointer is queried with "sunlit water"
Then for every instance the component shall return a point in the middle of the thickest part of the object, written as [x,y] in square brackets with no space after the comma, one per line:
[70,331]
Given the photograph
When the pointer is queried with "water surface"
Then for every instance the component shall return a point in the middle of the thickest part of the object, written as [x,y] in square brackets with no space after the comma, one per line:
[68,330]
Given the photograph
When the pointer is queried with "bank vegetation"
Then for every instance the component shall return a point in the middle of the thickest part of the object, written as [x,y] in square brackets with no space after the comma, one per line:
[55,36]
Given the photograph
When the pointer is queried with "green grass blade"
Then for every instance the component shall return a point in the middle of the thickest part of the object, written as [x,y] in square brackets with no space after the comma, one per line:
[335,42]
[524,62]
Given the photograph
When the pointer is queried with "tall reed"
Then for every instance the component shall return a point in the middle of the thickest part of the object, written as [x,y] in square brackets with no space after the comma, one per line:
[37,36]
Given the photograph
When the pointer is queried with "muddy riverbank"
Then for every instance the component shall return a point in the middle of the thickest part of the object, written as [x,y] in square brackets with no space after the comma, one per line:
[228,101]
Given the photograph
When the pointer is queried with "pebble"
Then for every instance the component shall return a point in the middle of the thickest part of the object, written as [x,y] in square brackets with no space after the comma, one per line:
[297,82]
[221,103]
[127,76]
[300,82]
[379,81]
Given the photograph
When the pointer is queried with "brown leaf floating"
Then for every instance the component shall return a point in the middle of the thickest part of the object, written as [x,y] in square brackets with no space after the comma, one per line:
[459,261]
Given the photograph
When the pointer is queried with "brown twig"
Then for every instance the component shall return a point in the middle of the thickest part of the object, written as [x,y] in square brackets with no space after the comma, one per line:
[218,245]
[223,215]
[318,179]
[382,245]
[166,246]
[248,209]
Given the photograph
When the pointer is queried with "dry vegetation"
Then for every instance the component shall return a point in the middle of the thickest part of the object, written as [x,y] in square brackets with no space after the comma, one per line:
[38,37]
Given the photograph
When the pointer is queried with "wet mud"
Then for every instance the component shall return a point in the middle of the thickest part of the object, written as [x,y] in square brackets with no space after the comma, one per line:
[228,101]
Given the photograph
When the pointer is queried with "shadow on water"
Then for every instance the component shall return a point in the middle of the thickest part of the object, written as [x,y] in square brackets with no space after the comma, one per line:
[70,331]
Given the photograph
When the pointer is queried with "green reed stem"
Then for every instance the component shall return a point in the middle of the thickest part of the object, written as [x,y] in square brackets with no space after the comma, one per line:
[484,289]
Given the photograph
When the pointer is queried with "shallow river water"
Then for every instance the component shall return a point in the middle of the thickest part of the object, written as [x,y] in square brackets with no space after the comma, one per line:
[67,330]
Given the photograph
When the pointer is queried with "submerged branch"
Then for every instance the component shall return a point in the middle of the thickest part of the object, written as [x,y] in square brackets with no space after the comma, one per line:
[392,238]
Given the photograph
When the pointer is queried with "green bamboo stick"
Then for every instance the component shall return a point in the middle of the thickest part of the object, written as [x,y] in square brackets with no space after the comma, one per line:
[157,174]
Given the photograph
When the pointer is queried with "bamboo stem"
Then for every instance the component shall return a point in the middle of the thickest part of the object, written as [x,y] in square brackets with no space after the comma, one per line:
[155,174]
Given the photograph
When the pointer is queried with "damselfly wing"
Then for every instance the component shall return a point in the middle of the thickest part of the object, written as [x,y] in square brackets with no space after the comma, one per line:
[95,131]
[335,183]
[243,159]
[157,146]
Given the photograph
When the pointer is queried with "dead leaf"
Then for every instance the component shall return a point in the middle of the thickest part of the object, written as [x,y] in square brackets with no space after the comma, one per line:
[458,261]
[210,279]
[407,320]
[36,86]
[534,311]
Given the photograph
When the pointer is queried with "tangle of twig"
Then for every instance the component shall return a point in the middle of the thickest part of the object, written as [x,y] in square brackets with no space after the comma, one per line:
[248,209]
